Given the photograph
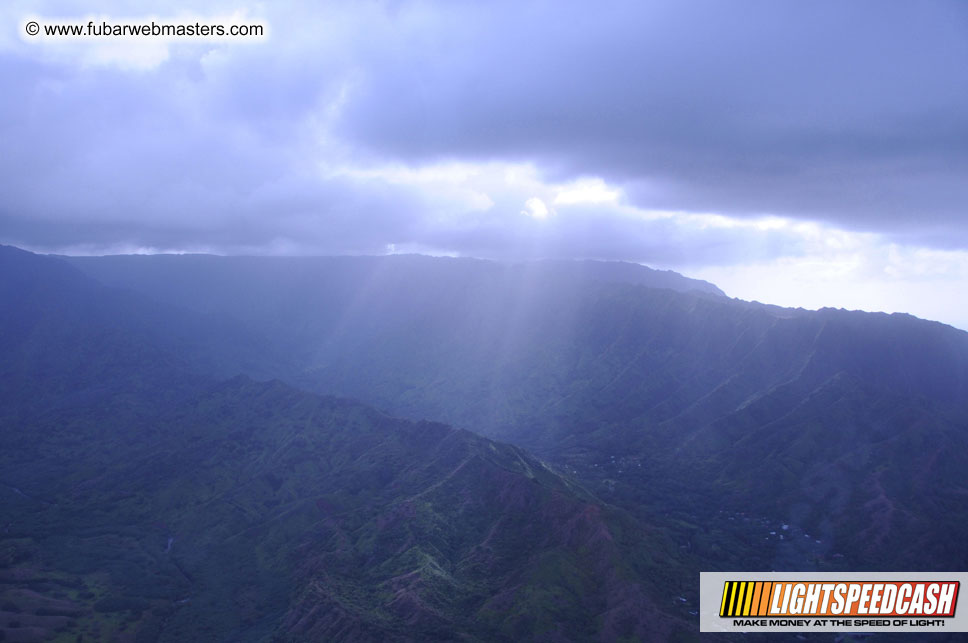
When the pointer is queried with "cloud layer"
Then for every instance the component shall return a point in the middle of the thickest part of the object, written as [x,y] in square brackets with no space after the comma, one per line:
[693,134]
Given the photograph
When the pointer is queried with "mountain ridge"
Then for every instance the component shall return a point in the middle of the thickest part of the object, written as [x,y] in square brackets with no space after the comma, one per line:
[705,428]
[673,384]
[184,507]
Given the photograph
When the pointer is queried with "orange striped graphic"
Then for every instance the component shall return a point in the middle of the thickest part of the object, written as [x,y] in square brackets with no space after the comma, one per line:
[745,598]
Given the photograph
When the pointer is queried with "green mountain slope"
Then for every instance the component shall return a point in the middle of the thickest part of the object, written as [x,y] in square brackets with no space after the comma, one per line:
[141,500]
[254,510]
[847,426]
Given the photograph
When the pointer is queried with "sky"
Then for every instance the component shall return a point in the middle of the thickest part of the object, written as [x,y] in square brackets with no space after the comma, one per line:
[797,153]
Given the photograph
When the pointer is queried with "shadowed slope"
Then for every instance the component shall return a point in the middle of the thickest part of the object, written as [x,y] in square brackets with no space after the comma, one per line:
[140,499]
[844,424]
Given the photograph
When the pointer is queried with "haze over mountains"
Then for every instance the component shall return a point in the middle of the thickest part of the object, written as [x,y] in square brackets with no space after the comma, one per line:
[658,428]
[423,386]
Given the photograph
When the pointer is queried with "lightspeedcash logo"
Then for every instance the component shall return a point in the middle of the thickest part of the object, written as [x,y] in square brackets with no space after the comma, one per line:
[831,602]
[900,598]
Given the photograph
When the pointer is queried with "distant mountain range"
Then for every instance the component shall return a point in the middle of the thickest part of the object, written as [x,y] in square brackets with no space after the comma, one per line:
[153,486]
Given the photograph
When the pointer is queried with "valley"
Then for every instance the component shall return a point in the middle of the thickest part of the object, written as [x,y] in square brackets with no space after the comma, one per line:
[189,459]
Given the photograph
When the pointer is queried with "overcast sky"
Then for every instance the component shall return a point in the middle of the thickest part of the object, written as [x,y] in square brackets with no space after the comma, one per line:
[800,153]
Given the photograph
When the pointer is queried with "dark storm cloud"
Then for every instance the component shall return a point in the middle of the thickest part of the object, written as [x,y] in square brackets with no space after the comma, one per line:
[852,112]
[172,158]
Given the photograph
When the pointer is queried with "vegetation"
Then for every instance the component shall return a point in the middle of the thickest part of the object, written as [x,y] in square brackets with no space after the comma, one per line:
[151,490]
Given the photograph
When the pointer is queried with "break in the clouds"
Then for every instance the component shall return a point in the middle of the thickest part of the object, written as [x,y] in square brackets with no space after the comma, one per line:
[854,113]
[755,143]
